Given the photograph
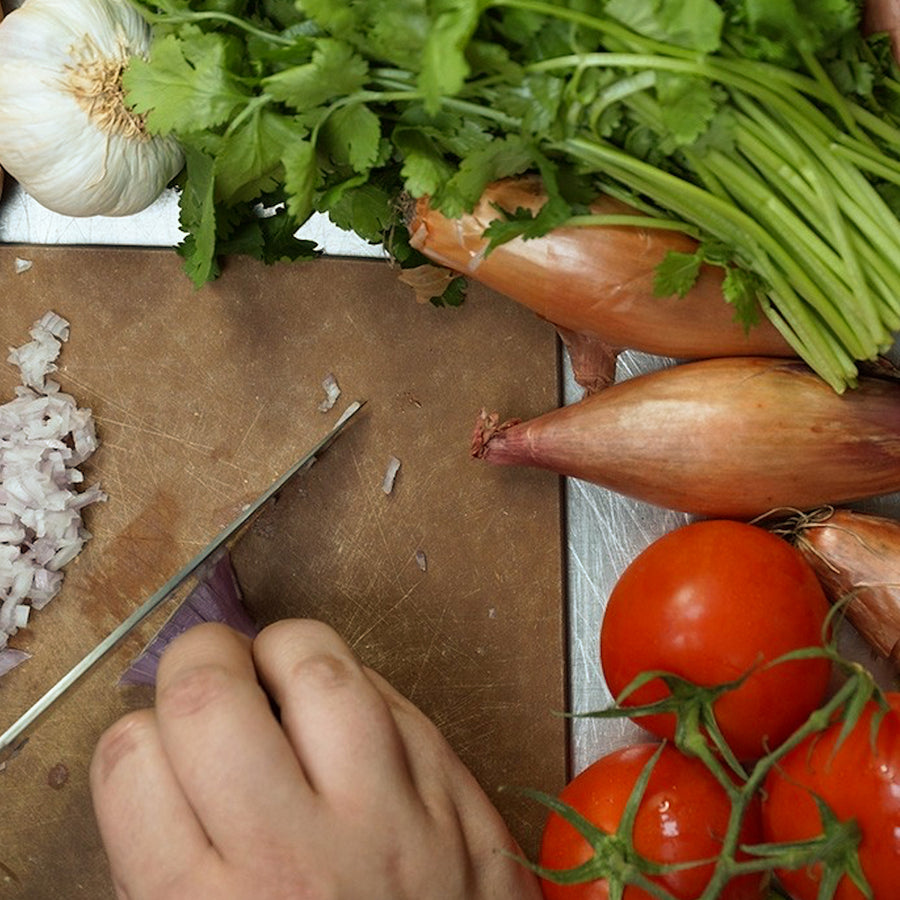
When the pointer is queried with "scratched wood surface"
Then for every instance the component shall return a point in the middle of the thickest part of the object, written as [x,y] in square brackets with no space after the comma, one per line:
[201,399]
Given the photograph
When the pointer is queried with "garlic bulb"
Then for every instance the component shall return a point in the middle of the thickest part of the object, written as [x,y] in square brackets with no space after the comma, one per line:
[65,132]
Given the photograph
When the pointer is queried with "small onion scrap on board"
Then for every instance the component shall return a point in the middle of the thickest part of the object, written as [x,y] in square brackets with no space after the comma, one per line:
[595,283]
[732,437]
[856,557]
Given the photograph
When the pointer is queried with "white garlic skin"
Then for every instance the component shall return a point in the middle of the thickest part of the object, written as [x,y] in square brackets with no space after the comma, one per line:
[70,161]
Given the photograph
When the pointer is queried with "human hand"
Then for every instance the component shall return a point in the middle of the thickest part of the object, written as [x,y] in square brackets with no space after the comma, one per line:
[352,795]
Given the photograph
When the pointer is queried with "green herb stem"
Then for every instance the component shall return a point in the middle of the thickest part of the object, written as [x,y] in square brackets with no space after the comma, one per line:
[831,93]
[224,18]
[633,221]
[880,165]
[811,279]
[607,27]
[841,276]
[729,224]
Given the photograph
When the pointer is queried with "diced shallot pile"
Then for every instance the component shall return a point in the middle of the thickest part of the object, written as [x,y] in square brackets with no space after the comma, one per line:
[44,438]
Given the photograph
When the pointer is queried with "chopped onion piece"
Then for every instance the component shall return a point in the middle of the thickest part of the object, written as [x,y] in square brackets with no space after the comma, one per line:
[332,392]
[393,467]
[10,658]
[44,436]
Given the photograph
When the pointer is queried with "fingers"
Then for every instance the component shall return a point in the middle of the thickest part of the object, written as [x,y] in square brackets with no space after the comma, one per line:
[447,787]
[338,722]
[150,832]
[226,749]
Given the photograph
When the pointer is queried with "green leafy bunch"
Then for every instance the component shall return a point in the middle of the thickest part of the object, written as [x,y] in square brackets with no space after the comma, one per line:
[767,129]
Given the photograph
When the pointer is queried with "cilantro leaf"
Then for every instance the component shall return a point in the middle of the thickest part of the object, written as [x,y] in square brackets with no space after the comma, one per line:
[248,162]
[300,177]
[454,294]
[198,217]
[687,106]
[424,167]
[696,24]
[380,29]
[351,136]
[334,70]
[362,207]
[773,30]
[187,85]
[279,240]
[676,274]
[498,159]
[743,289]
[444,64]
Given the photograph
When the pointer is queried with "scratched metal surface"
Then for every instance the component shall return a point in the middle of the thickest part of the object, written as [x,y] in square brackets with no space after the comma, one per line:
[605,532]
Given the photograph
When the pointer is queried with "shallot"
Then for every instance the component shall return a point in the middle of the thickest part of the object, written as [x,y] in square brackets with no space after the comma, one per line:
[216,598]
[732,437]
[856,556]
[595,280]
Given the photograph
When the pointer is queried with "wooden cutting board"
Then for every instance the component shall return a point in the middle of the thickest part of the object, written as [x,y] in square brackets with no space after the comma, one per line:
[202,398]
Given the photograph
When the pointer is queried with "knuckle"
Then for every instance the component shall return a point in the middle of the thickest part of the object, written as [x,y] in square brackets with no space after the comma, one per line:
[194,689]
[125,738]
[322,671]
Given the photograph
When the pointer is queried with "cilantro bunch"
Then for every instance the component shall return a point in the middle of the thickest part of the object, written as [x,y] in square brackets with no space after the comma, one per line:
[767,129]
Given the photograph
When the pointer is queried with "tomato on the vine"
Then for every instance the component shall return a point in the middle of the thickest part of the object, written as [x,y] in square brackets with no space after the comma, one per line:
[709,602]
[682,816]
[858,779]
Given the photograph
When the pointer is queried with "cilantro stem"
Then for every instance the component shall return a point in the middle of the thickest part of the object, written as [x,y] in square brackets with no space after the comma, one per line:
[882,166]
[770,259]
[634,221]
[607,27]
[791,168]
[831,92]
[402,92]
[252,106]
[213,16]
[750,194]
[797,176]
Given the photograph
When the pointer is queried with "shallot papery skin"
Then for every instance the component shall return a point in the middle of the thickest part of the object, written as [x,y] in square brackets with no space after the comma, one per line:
[856,557]
[734,437]
[596,280]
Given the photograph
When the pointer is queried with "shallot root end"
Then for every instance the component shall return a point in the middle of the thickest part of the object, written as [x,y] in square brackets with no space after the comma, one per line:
[487,427]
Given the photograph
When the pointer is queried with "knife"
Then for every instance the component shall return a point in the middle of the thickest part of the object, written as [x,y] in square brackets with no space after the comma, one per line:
[158,597]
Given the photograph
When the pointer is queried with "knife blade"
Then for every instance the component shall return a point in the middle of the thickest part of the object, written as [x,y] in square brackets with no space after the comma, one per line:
[179,578]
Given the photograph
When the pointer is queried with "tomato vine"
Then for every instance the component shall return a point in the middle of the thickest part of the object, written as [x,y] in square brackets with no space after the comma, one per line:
[614,858]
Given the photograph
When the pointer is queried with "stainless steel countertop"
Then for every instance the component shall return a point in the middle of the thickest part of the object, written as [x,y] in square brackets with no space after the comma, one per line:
[604,530]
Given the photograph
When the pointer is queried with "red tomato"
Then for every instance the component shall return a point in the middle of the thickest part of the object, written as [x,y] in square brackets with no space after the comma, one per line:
[683,816]
[856,781]
[708,602]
